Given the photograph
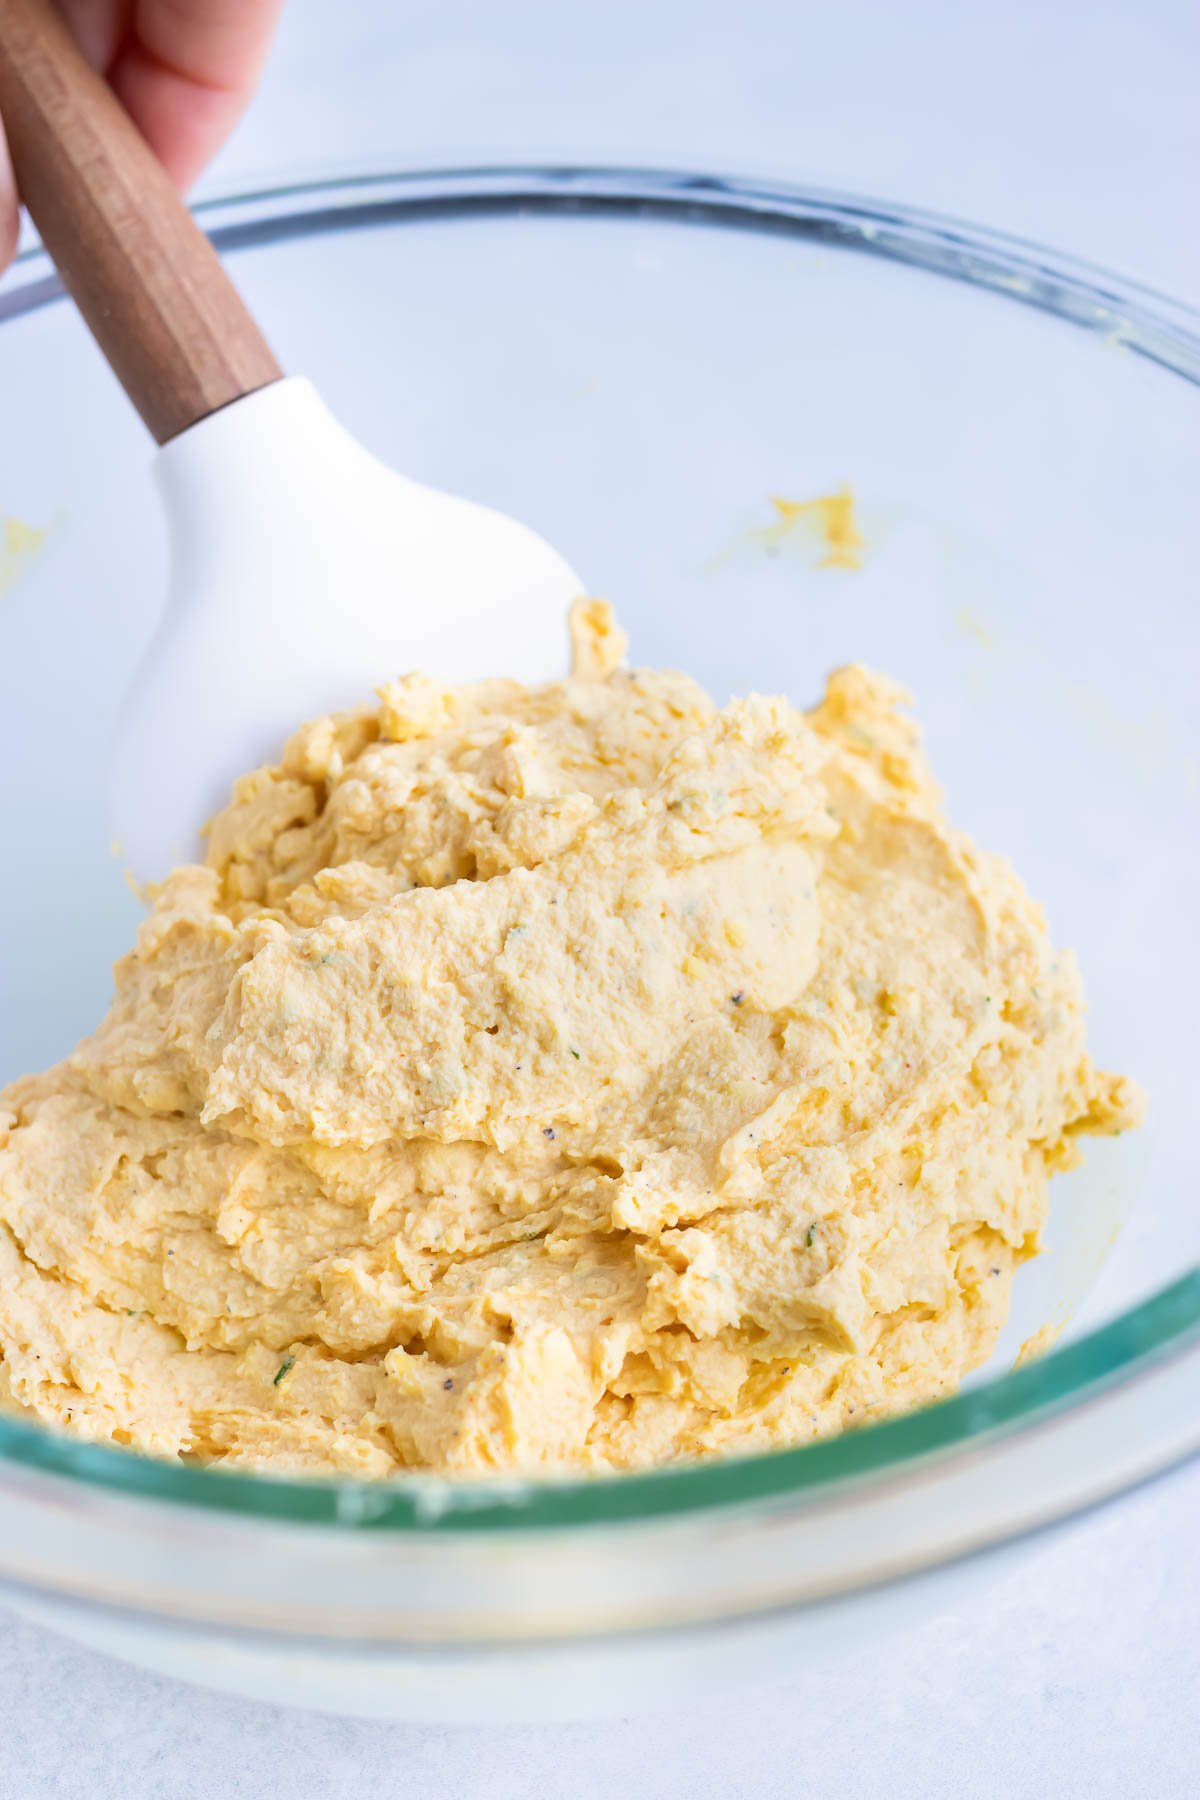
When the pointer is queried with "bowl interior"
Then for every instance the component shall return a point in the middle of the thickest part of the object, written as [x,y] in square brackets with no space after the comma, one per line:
[641,385]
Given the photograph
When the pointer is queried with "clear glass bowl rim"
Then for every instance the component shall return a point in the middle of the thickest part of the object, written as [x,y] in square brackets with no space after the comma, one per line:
[1165,1325]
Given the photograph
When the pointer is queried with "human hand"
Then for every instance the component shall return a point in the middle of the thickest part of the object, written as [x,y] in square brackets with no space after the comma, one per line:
[183,69]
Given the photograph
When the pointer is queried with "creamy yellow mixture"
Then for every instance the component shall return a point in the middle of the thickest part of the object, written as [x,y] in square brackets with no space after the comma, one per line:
[580,1077]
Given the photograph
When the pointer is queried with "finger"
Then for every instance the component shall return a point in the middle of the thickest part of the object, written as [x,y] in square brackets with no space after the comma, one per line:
[183,124]
[98,27]
[215,43]
[188,69]
[8,207]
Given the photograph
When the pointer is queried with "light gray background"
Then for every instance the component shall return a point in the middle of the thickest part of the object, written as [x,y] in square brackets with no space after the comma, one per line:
[1077,124]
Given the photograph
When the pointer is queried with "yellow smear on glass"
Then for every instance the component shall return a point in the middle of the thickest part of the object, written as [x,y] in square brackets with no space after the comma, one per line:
[974,627]
[19,544]
[1043,1339]
[830,516]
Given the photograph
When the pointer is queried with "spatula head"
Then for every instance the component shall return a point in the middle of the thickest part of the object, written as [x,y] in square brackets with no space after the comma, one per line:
[304,573]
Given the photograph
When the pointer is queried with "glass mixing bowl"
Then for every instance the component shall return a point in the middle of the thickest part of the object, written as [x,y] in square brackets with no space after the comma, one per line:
[639,364]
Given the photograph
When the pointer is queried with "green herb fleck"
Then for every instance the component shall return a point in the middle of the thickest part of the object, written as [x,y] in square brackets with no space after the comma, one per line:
[289,1362]
[810,1236]
[575,1054]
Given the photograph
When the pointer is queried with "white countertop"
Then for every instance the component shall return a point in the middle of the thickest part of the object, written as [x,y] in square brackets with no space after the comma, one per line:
[1073,1679]
[1077,124]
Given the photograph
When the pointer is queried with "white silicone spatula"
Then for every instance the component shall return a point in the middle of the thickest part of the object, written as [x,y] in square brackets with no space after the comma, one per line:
[303,571]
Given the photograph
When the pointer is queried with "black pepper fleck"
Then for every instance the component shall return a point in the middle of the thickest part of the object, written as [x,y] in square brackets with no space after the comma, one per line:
[448,1383]
[548,1131]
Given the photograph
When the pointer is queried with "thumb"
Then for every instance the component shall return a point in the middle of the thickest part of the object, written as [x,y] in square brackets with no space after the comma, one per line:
[8,206]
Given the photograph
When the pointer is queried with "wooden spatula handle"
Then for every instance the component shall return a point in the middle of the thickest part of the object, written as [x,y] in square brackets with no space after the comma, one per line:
[142,273]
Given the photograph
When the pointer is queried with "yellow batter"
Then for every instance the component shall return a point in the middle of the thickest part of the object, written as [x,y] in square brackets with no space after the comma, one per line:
[575,1077]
